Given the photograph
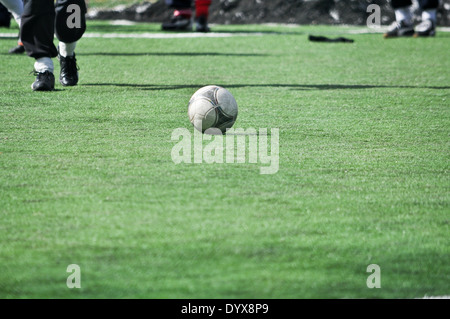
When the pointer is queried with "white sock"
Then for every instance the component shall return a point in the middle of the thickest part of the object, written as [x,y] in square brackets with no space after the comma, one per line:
[43,64]
[67,49]
[18,18]
[429,14]
[15,7]
[403,14]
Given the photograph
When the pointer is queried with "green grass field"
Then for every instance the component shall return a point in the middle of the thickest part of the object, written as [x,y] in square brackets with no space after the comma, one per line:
[86,175]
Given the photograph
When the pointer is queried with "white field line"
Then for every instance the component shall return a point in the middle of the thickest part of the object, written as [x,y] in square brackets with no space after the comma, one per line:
[147,35]
[346,28]
[122,22]
[182,35]
[381,29]
[169,35]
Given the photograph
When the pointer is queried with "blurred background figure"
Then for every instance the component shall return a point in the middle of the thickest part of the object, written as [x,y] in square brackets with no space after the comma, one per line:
[15,7]
[182,16]
[5,17]
[404,26]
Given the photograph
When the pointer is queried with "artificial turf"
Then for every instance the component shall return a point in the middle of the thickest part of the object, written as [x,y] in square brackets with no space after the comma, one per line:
[87,178]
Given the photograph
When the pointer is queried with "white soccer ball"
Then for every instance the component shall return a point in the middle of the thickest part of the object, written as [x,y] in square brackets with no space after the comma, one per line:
[212,107]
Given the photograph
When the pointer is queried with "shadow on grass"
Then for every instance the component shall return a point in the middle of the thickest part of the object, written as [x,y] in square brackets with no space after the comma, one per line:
[246,133]
[265,32]
[155,87]
[13,55]
[110,28]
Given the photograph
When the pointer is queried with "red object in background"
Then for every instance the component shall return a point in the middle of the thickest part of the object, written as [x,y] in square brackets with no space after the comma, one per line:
[202,8]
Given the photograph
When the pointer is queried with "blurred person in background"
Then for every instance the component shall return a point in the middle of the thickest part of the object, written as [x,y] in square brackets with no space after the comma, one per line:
[16,9]
[182,16]
[404,26]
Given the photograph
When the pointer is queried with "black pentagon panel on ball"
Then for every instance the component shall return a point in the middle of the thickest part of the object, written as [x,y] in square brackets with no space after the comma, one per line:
[212,95]
[223,121]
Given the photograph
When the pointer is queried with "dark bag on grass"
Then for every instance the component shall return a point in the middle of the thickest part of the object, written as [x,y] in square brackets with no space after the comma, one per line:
[325,39]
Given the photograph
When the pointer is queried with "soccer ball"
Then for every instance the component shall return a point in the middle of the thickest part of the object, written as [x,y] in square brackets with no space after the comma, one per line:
[212,107]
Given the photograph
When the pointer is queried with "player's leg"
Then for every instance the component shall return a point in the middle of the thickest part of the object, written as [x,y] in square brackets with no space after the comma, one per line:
[403,25]
[5,17]
[428,25]
[70,25]
[37,32]
[16,8]
[201,15]
[182,16]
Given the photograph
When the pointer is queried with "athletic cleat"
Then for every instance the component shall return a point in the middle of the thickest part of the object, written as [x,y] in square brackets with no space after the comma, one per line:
[45,81]
[69,70]
[399,29]
[178,23]
[202,24]
[19,49]
[425,29]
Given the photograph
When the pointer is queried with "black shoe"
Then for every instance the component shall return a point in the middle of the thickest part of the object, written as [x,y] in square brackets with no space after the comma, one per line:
[426,29]
[45,81]
[17,50]
[202,24]
[69,70]
[400,29]
[178,23]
